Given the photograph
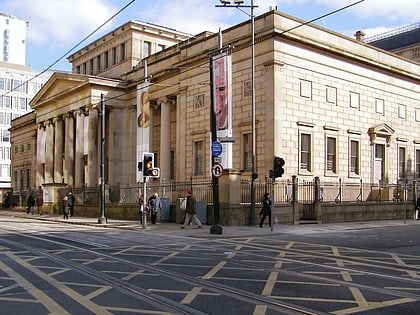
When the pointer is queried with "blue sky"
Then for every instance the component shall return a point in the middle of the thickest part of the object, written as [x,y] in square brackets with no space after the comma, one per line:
[56,26]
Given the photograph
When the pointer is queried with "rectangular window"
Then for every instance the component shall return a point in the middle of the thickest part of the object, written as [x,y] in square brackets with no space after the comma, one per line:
[247,149]
[90,66]
[5,136]
[354,100]
[98,64]
[331,155]
[106,61]
[146,49]
[401,162]
[379,106]
[331,95]
[122,51]
[417,163]
[354,157]
[402,111]
[198,158]
[1,83]
[114,55]
[306,88]
[305,152]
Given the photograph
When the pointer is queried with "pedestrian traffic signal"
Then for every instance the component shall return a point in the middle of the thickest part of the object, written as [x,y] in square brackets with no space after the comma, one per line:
[148,164]
[278,169]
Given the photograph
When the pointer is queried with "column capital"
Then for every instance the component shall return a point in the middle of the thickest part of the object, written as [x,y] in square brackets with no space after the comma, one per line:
[165,100]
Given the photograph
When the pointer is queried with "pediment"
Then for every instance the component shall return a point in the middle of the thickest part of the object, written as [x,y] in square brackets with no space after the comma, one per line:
[58,85]
[381,131]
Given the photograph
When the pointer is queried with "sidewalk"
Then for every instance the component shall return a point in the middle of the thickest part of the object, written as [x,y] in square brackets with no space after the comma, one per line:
[204,232]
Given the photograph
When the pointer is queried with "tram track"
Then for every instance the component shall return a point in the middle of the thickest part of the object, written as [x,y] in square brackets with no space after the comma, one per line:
[176,308]
[246,255]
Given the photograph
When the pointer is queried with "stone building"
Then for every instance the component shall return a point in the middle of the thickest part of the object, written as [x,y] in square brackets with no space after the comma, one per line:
[331,106]
[403,41]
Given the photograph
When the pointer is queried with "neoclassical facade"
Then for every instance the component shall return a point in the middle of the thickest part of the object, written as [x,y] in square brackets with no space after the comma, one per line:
[331,106]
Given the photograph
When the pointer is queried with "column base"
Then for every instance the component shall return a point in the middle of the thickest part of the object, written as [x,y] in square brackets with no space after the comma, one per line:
[102,220]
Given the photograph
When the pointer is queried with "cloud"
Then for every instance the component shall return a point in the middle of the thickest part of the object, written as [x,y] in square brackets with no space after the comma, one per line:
[58,23]
[390,10]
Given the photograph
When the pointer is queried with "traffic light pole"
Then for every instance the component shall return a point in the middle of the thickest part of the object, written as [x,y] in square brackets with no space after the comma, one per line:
[144,213]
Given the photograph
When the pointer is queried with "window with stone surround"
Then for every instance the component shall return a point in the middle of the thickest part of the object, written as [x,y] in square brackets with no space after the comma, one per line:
[247,89]
[146,49]
[198,158]
[401,162]
[331,155]
[354,100]
[331,95]
[402,111]
[354,157]
[417,170]
[417,114]
[122,51]
[247,151]
[305,88]
[305,163]
[379,106]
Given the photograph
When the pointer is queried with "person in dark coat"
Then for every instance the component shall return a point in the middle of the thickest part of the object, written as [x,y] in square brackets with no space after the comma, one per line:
[71,200]
[417,210]
[66,208]
[191,211]
[155,205]
[30,204]
[266,209]
[141,208]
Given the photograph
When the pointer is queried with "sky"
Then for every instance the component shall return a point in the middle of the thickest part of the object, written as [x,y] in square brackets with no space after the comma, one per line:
[57,28]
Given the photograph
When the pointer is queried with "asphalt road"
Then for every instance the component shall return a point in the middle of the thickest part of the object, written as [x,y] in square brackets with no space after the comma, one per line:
[55,268]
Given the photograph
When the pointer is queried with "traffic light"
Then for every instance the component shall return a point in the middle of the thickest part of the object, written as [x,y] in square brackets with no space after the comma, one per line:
[148,164]
[278,169]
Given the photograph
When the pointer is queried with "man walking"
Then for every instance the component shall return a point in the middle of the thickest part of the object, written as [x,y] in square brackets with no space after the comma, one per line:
[155,205]
[191,211]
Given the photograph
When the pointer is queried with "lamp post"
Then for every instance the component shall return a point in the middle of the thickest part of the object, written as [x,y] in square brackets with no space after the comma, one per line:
[102,219]
[239,5]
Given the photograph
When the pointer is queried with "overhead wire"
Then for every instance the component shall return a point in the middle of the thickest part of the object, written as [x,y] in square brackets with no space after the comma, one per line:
[72,49]
[198,66]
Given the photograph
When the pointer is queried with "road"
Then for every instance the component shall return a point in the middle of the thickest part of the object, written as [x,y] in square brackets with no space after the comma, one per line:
[56,268]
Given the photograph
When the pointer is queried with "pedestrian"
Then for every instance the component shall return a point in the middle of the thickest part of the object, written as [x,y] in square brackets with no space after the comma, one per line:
[71,200]
[30,203]
[66,207]
[39,202]
[417,210]
[266,209]
[155,205]
[191,211]
[141,207]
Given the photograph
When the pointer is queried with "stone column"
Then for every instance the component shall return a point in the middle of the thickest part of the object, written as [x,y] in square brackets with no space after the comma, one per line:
[40,155]
[92,160]
[181,135]
[79,161]
[165,139]
[69,150]
[49,153]
[118,135]
[58,149]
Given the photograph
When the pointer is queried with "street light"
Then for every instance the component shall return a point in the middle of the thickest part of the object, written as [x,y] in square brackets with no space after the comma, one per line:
[239,4]
[102,219]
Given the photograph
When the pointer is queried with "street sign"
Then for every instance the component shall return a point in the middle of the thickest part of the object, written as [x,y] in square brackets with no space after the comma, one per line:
[155,172]
[217,170]
[216,148]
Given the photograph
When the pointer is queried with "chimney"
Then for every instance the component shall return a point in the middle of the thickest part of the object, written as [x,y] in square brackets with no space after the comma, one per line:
[360,36]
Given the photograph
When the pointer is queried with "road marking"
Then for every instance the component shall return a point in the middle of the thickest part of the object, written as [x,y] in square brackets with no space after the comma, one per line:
[50,304]
[215,269]
[44,299]
[269,285]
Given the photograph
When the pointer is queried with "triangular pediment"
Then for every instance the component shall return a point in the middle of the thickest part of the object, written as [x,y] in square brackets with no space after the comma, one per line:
[58,85]
[381,131]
